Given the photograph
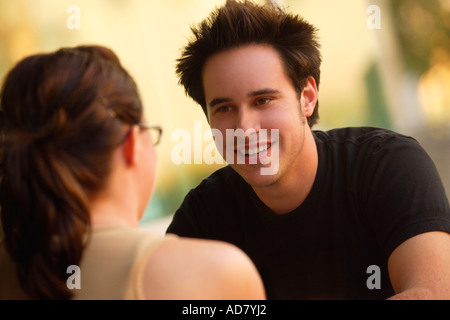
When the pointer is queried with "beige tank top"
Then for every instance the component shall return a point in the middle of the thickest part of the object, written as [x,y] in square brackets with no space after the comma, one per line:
[111,268]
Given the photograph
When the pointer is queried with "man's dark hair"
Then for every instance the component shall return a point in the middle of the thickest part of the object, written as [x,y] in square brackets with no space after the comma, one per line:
[241,23]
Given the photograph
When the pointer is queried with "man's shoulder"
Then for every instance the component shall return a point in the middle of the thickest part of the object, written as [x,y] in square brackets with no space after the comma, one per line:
[362,136]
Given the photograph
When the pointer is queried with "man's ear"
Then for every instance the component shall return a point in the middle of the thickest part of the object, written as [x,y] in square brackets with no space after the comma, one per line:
[309,97]
[130,146]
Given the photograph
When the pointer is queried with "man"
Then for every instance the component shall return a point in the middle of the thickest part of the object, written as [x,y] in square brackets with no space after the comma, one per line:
[353,213]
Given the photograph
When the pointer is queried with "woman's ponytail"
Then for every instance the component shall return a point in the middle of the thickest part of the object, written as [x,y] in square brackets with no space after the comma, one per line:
[56,143]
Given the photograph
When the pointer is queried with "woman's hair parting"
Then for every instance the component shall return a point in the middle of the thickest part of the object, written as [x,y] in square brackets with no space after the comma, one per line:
[62,115]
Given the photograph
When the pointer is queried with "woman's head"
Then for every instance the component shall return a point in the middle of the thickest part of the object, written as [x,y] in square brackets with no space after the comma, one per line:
[62,116]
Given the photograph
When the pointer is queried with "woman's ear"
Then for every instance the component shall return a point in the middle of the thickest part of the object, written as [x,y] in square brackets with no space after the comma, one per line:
[130,146]
[309,97]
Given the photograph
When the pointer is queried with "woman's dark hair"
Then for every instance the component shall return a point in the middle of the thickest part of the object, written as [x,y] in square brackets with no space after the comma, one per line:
[62,115]
[241,23]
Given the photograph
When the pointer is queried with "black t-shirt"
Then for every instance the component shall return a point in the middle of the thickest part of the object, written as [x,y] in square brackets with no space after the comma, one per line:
[374,189]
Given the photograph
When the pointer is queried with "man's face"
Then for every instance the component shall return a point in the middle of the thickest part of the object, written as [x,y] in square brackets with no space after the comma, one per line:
[247,89]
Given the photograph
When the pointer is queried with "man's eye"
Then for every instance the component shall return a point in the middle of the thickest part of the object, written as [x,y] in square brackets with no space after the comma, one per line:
[223,109]
[262,101]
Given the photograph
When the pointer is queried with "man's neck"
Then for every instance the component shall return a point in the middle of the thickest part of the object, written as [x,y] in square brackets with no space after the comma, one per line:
[291,189]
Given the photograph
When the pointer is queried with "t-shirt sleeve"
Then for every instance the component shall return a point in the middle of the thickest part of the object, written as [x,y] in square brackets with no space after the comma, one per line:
[403,192]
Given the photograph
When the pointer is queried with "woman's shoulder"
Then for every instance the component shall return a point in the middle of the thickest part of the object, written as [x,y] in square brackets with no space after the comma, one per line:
[188,268]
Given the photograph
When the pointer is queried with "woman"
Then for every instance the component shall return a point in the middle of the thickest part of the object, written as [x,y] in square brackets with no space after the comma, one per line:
[77,170]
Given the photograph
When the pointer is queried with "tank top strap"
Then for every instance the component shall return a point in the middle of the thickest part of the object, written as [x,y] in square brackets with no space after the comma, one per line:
[135,289]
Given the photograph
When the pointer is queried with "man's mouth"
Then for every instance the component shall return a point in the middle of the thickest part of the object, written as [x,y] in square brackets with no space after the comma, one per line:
[249,151]
[254,150]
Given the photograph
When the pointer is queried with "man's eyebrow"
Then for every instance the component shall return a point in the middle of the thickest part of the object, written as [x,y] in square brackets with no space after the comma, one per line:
[255,93]
[262,92]
[216,101]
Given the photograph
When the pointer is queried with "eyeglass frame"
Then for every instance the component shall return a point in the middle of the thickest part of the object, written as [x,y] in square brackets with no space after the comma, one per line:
[143,126]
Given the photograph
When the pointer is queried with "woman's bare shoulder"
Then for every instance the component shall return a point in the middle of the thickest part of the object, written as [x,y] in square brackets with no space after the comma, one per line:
[187,268]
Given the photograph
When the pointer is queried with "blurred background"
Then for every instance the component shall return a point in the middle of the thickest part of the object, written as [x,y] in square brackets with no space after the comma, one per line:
[386,63]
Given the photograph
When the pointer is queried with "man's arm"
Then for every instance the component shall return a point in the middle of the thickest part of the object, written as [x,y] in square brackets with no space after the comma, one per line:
[419,268]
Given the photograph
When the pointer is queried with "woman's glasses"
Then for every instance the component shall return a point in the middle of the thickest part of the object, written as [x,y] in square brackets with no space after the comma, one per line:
[155,133]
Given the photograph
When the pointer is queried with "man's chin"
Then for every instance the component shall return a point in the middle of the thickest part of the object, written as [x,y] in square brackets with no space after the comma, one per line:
[254,176]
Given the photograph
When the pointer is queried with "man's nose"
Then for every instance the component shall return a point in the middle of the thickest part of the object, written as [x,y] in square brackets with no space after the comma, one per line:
[248,120]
